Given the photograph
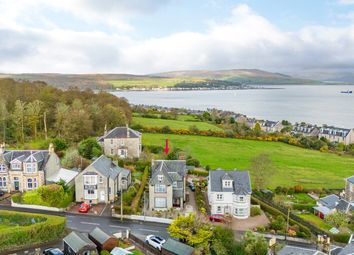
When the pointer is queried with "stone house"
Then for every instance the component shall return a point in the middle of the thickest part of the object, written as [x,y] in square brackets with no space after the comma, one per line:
[229,192]
[101,181]
[24,170]
[167,184]
[337,135]
[305,129]
[271,126]
[123,142]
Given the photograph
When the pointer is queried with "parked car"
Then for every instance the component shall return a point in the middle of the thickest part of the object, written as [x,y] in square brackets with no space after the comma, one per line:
[53,251]
[216,218]
[2,193]
[191,186]
[84,208]
[155,241]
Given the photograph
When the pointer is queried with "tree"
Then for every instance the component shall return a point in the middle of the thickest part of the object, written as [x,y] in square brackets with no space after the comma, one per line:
[61,112]
[191,230]
[33,112]
[257,129]
[262,169]
[338,219]
[18,117]
[4,116]
[90,148]
[223,242]
[59,144]
[71,158]
[254,244]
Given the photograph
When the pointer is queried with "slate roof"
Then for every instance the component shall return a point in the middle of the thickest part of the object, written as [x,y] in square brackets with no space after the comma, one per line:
[77,241]
[351,179]
[177,248]
[304,128]
[241,181]
[120,132]
[172,170]
[343,206]
[39,156]
[329,201]
[293,250]
[107,168]
[347,250]
[99,235]
[269,123]
[329,130]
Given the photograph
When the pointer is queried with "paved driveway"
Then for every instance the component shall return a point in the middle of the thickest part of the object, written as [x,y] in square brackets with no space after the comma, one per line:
[250,223]
[99,209]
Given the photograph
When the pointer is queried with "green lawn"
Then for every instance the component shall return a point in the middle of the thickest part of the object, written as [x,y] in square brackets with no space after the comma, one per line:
[175,124]
[303,198]
[315,221]
[312,169]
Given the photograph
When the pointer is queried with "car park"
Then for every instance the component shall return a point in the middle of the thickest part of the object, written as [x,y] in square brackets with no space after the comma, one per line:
[155,241]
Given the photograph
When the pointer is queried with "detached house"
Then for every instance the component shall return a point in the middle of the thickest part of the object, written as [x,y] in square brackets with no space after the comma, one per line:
[123,142]
[337,135]
[101,181]
[229,192]
[23,170]
[167,184]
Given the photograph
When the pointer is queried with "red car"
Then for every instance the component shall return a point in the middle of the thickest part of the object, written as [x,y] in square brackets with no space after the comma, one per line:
[216,218]
[84,208]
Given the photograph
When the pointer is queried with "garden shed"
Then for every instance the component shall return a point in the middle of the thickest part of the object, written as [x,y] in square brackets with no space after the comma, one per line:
[78,244]
[102,239]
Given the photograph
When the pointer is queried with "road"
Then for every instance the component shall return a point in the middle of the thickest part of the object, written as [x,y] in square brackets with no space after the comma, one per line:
[86,223]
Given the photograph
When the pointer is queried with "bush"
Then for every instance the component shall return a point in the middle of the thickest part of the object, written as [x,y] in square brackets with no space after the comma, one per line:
[193,162]
[302,207]
[255,211]
[341,238]
[59,144]
[137,198]
[90,148]
[104,252]
[198,173]
[17,198]
[47,228]
[129,195]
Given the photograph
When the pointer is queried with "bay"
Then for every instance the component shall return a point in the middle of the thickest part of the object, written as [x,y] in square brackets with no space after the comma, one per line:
[321,104]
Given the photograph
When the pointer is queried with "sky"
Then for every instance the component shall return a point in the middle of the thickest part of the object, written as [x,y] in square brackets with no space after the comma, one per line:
[151,36]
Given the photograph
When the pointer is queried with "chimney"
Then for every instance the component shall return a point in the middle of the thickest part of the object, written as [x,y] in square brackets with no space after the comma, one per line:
[128,133]
[51,148]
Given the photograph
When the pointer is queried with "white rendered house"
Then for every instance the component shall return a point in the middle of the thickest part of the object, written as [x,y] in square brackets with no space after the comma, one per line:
[229,192]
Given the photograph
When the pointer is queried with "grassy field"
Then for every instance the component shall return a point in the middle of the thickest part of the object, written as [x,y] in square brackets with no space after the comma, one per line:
[315,221]
[182,123]
[152,83]
[295,165]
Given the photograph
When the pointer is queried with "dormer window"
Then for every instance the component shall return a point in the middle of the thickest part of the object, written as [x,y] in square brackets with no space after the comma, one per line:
[31,167]
[16,166]
[160,177]
[227,184]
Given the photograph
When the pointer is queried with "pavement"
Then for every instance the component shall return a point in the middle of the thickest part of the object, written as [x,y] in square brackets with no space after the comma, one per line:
[85,223]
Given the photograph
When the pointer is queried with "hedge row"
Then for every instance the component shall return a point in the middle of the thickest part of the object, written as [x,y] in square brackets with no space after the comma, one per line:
[46,228]
[198,173]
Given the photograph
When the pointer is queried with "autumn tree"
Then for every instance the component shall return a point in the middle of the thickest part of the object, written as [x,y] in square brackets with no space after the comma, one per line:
[262,169]
[18,117]
[191,230]
[254,244]
[4,117]
[33,113]
[257,129]
[61,112]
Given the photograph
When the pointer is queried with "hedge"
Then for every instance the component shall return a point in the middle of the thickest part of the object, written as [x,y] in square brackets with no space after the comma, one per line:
[198,173]
[137,198]
[46,228]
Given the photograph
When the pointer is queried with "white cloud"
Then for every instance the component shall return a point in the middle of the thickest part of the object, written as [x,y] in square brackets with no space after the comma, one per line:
[244,40]
[346,1]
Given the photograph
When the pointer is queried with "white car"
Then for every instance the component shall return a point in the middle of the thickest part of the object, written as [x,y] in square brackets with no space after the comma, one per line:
[155,241]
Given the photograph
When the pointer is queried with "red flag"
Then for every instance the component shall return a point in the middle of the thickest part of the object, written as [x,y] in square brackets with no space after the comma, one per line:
[166,147]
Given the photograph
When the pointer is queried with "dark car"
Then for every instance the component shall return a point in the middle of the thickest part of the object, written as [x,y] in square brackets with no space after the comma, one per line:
[191,186]
[216,218]
[53,251]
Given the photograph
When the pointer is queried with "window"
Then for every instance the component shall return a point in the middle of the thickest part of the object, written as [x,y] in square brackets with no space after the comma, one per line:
[174,184]
[29,183]
[0,182]
[4,182]
[239,211]
[90,179]
[241,198]
[160,202]
[101,179]
[31,167]
[35,183]
[160,188]
[16,166]
[160,177]
[227,184]
[2,168]
[90,194]
[219,197]
[218,209]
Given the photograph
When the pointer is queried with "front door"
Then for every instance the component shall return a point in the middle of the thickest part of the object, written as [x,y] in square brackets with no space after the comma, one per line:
[16,184]
[103,196]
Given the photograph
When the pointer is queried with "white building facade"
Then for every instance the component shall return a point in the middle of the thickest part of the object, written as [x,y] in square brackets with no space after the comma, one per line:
[229,192]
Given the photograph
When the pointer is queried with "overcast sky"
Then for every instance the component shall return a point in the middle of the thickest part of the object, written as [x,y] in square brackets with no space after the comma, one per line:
[149,36]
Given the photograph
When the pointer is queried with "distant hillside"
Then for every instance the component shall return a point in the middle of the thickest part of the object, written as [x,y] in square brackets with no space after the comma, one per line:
[245,76]
[178,79]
